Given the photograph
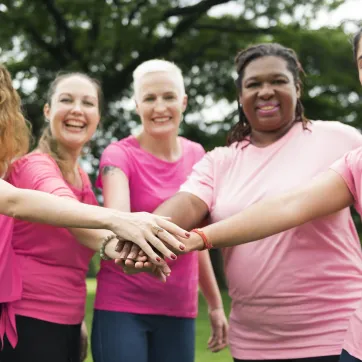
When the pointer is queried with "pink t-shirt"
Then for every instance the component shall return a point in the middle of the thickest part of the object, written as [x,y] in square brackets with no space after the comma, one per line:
[292,293]
[151,181]
[350,168]
[10,281]
[53,264]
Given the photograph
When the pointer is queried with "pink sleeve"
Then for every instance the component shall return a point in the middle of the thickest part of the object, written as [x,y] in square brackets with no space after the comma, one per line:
[114,155]
[201,180]
[40,172]
[349,168]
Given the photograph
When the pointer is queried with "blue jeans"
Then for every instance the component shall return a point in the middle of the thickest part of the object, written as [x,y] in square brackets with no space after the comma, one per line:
[126,337]
[346,357]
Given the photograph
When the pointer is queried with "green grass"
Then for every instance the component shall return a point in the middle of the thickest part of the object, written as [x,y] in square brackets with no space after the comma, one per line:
[202,328]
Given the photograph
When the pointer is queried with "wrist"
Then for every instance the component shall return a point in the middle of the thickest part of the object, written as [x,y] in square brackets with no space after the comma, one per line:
[194,243]
[108,246]
[113,220]
[202,242]
[211,309]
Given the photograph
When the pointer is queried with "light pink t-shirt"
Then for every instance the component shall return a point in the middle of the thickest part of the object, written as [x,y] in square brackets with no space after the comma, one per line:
[151,181]
[350,168]
[292,293]
[10,281]
[53,264]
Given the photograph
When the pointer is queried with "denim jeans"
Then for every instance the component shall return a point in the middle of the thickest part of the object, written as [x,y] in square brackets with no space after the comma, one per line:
[125,337]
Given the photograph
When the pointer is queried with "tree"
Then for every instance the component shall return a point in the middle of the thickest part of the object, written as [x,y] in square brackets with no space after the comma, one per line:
[108,39]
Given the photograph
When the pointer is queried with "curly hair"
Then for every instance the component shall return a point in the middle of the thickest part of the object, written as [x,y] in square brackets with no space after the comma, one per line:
[15,130]
[48,143]
[243,129]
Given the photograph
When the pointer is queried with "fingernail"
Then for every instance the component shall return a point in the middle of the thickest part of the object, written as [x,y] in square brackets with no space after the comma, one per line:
[173,256]
[182,247]
[188,234]
[158,259]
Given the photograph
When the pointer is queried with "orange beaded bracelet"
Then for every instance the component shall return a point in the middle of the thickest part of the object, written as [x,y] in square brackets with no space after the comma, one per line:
[207,244]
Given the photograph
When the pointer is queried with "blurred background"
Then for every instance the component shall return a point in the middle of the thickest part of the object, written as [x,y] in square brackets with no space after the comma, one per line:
[107,39]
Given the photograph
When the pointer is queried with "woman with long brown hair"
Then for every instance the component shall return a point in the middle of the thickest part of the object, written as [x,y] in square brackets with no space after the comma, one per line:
[32,205]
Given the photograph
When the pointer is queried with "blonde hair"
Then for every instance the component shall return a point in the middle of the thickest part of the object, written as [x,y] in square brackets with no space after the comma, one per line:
[14,128]
[157,65]
[48,143]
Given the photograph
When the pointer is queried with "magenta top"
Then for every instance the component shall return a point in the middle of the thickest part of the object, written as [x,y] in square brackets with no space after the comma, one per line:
[52,263]
[292,293]
[10,281]
[151,181]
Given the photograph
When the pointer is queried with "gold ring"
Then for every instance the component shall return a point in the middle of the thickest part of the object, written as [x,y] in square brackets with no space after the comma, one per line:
[156,229]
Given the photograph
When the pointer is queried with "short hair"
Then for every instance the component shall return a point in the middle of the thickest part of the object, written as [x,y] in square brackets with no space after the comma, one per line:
[157,65]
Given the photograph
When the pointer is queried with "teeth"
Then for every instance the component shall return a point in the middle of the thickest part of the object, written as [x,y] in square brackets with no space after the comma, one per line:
[267,108]
[164,119]
[74,123]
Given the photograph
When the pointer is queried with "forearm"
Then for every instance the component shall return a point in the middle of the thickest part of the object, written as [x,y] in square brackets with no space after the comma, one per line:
[93,239]
[207,281]
[185,210]
[325,195]
[254,223]
[36,206]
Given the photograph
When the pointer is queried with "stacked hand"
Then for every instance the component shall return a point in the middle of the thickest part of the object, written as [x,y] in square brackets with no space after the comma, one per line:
[151,234]
[134,260]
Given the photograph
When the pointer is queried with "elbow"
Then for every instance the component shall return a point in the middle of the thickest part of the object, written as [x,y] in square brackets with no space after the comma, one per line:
[11,204]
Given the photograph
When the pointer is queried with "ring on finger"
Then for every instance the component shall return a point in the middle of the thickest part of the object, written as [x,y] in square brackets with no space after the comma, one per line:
[156,229]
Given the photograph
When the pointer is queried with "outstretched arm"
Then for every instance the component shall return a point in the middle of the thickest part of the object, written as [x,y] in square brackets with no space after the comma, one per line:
[325,195]
[37,206]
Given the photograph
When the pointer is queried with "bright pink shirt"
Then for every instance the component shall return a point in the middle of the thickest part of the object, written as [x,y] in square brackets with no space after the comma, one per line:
[10,281]
[53,264]
[350,168]
[151,181]
[292,293]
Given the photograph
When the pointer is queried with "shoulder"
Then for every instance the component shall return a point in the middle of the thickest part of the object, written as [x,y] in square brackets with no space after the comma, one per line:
[222,156]
[191,147]
[335,128]
[36,162]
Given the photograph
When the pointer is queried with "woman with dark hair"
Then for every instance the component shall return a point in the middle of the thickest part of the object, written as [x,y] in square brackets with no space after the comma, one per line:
[292,293]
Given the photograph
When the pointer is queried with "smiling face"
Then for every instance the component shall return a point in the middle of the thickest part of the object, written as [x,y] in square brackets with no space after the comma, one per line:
[160,103]
[269,94]
[74,112]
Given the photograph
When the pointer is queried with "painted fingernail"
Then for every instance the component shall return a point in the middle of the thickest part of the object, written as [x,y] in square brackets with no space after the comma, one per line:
[158,259]
[173,256]
[188,234]
[182,247]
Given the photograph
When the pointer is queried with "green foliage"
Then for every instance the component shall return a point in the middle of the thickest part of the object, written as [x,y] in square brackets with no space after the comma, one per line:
[109,38]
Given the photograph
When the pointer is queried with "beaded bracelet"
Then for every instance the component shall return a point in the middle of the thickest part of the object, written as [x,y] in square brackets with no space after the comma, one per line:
[102,250]
[207,244]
